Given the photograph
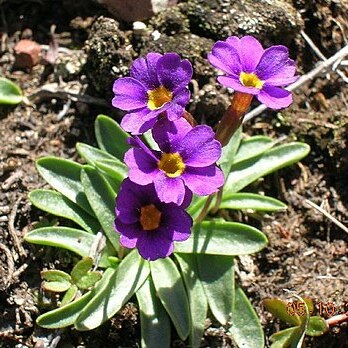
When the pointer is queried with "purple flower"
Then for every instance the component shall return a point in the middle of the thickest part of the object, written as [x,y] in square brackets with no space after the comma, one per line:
[158,84]
[148,224]
[187,159]
[251,69]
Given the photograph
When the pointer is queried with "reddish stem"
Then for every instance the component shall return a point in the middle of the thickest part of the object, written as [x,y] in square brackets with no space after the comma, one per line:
[337,319]
[233,117]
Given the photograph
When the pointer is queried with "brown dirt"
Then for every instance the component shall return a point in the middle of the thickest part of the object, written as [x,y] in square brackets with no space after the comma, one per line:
[306,253]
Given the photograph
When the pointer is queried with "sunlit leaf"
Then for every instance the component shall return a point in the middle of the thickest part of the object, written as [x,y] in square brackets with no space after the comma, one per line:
[246,172]
[154,320]
[252,147]
[171,291]
[102,200]
[216,272]
[10,93]
[60,286]
[316,326]
[223,238]
[64,176]
[123,283]
[55,275]
[246,329]
[92,154]
[282,310]
[229,152]
[196,296]
[55,203]
[282,339]
[115,170]
[253,201]
[110,136]
[66,315]
[81,268]
[77,241]
[69,295]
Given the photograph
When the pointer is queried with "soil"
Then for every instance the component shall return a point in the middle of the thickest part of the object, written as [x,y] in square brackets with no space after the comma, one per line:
[307,253]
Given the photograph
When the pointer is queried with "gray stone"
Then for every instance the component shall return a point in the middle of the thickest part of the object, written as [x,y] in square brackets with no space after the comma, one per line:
[135,10]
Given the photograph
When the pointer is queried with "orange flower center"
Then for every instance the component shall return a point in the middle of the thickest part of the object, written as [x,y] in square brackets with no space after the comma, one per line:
[158,97]
[250,80]
[150,217]
[172,164]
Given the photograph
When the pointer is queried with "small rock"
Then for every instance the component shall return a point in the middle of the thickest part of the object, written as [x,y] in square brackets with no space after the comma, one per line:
[27,53]
[135,10]
[70,64]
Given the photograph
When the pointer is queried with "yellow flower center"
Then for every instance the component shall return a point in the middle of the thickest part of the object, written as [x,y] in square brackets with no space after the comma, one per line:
[172,164]
[158,97]
[150,217]
[250,80]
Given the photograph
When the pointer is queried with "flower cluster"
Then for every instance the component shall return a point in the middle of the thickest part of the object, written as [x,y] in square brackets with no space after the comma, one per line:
[150,207]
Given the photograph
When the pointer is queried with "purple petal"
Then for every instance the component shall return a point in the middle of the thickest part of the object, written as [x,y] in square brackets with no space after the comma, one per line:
[169,189]
[250,51]
[203,181]
[177,223]
[187,199]
[142,167]
[174,112]
[285,75]
[275,97]
[226,58]
[127,204]
[130,94]
[174,73]
[177,105]
[198,148]
[129,233]
[236,85]
[168,134]
[145,71]
[152,246]
[138,122]
[272,62]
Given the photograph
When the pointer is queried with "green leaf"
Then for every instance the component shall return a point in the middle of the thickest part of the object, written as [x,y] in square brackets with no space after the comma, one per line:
[282,310]
[246,329]
[246,172]
[149,140]
[316,326]
[124,282]
[196,296]
[64,176]
[252,147]
[88,280]
[10,93]
[229,152]
[282,338]
[66,315]
[253,201]
[216,273]
[102,200]
[81,268]
[110,136]
[223,238]
[60,286]
[55,275]
[78,241]
[171,291]
[55,203]
[115,170]
[69,295]
[91,154]
[155,323]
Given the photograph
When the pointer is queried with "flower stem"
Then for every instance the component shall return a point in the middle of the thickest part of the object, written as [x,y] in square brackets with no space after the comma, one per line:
[189,118]
[337,319]
[233,117]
